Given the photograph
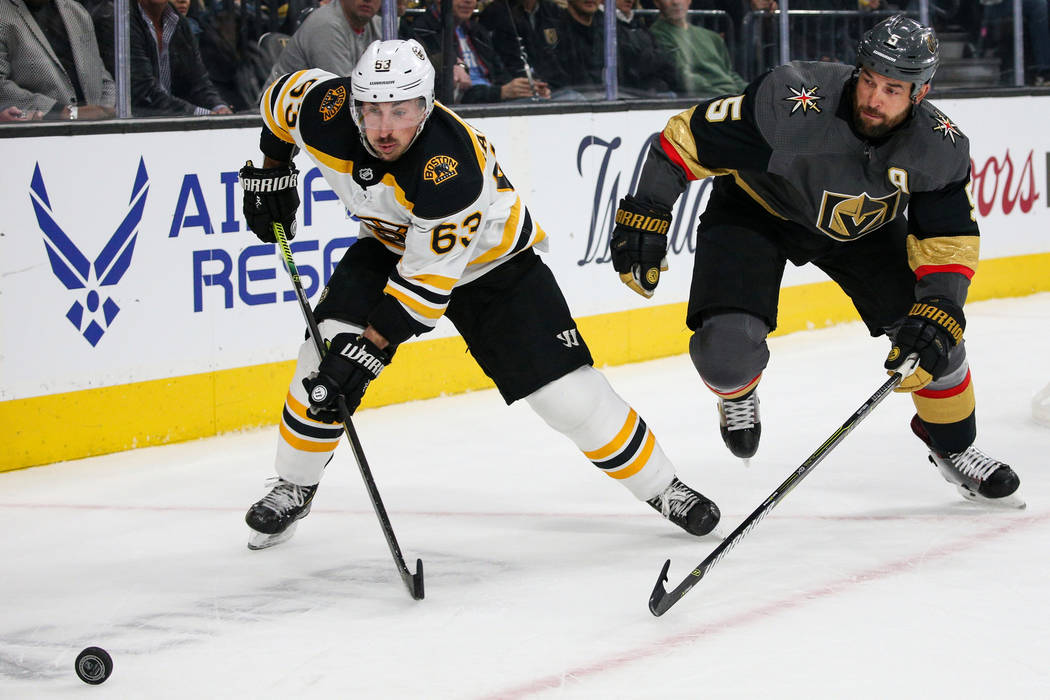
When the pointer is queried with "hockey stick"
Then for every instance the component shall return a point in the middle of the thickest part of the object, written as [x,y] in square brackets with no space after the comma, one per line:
[414,582]
[661,601]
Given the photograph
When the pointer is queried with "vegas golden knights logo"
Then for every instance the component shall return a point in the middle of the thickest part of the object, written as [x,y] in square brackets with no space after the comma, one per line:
[332,101]
[440,168]
[846,217]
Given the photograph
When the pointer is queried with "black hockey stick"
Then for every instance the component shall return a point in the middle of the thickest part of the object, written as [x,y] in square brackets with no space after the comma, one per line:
[661,601]
[414,582]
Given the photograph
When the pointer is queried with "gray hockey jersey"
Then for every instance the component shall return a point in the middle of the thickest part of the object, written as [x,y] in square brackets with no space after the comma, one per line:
[788,142]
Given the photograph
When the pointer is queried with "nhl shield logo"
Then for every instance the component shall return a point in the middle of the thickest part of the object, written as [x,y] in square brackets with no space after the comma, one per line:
[366,174]
[440,168]
[846,217]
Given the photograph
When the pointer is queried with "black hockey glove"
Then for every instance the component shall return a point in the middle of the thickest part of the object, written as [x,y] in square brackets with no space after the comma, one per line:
[639,245]
[931,329]
[271,196]
[352,361]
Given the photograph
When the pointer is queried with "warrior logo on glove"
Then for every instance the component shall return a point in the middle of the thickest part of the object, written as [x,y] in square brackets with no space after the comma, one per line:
[349,366]
[931,329]
[271,195]
[639,244]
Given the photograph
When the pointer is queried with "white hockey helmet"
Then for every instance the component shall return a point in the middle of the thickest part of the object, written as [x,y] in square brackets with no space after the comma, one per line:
[392,71]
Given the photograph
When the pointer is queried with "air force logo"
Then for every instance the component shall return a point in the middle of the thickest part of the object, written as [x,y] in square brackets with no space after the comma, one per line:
[847,217]
[76,272]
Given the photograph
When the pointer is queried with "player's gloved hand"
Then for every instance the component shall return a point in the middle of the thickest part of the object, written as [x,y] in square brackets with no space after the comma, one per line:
[351,363]
[639,245]
[271,196]
[931,329]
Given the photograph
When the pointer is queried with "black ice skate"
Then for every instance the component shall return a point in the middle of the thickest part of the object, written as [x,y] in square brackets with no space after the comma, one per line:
[978,477]
[740,425]
[686,508]
[274,518]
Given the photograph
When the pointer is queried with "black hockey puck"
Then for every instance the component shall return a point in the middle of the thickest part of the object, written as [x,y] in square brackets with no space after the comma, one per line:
[94,665]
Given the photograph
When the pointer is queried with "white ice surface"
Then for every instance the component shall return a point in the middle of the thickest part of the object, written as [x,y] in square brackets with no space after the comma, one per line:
[872,579]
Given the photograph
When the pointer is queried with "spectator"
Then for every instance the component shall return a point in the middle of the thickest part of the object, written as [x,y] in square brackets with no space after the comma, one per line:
[703,66]
[527,30]
[168,77]
[331,38]
[645,69]
[581,46]
[404,20]
[236,64]
[625,13]
[479,75]
[642,67]
[50,67]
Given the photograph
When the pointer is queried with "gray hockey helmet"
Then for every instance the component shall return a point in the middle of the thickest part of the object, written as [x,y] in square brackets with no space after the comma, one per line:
[900,48]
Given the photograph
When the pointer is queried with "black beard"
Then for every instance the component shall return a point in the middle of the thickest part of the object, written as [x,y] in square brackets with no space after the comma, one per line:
[872,132]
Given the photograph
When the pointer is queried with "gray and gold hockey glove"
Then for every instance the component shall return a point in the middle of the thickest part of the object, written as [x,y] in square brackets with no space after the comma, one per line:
[639,245]
[931,329]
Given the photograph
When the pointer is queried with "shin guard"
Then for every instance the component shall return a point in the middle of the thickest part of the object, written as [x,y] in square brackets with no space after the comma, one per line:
[585,408]
[305,445]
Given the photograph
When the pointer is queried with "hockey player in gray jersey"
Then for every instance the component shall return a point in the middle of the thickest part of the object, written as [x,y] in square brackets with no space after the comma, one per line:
[443,233]
[816,163]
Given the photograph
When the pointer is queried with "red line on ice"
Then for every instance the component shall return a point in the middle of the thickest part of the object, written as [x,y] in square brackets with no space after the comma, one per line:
[705,631]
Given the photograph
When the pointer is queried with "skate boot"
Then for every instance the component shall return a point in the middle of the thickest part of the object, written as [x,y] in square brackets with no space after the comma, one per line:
[686,508]
[740,425]
[978,477]
[274,518]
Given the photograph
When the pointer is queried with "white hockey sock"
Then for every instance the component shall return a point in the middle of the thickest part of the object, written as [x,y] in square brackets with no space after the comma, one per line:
[305,445]
[583,407]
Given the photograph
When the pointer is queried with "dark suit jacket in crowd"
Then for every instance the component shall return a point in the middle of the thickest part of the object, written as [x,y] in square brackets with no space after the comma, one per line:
[191,87]
[642,67]
[507,21]
[427,28]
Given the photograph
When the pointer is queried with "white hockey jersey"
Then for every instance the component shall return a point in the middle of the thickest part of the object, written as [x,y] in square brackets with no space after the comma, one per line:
[444,206]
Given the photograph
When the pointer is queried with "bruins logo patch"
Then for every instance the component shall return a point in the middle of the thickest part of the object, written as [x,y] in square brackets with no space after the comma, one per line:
[332,102]
[440,168]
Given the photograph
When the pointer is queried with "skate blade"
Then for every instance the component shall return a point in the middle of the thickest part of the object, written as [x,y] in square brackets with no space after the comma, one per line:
[746,462]
[259,540]
[1011,502]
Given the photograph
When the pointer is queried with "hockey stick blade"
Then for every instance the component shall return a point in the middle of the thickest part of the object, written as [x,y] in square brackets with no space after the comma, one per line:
[414,582]
[661,600]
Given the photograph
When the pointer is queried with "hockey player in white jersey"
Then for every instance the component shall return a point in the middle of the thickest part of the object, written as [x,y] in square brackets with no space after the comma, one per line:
[443,233]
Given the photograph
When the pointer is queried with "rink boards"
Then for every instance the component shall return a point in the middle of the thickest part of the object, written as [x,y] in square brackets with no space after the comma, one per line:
[138,310]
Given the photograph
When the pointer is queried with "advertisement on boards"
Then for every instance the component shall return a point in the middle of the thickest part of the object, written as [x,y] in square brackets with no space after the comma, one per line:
[137,265]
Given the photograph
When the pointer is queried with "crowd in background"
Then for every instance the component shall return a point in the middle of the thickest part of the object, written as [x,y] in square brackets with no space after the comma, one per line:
[213,57]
